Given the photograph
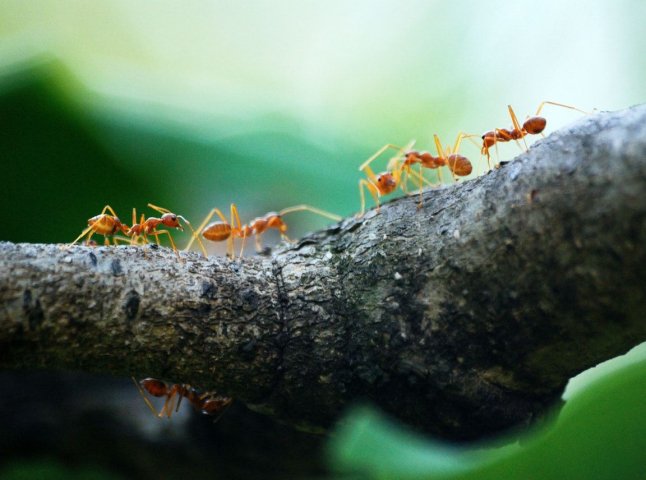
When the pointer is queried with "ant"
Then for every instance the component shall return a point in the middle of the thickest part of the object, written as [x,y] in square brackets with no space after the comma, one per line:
[104,224]
[222,229]
[532,126]
[208,403]
[387,181]
[148,226]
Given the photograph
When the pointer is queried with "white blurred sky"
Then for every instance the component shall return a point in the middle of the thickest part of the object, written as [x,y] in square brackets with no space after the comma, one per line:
[377,70]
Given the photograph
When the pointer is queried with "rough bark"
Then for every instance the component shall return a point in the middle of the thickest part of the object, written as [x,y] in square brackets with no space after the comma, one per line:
[463,318]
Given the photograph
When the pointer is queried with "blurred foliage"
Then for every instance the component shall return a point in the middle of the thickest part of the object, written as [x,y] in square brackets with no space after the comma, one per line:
[600,433]
[48,469]
[62,163]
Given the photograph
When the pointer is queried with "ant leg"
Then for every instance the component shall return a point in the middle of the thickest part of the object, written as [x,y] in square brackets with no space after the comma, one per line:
[378,153]
[421,187]
[110,209]
[462,136]
[127,241]
[496,144]
[214,211]
[143,395]
[363,183]
[442,154]
[194,235]
[470,136]
[235,217]
[159,209]
[170,238]
[514,121]
[309,208]
[545,102]
[134,221]
[84,233]
[179,402]
[169,405]
[258,243]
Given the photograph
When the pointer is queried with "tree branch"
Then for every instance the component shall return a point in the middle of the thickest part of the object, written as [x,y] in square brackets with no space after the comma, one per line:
[464,317]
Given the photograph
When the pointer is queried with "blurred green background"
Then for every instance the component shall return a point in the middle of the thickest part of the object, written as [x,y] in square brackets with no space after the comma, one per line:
[270,104]
[199,104]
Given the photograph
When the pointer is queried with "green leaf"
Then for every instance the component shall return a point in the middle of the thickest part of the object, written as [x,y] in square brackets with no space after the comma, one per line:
[600,433]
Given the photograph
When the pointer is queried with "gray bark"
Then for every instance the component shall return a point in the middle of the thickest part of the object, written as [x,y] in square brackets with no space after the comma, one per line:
[462,318]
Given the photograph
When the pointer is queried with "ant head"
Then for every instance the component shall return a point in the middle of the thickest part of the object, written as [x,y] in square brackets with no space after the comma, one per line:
[386,183]
[276,221]
[215,404]
[171,220]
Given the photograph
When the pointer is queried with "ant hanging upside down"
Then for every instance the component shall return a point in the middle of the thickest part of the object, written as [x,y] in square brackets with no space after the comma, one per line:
[208,403]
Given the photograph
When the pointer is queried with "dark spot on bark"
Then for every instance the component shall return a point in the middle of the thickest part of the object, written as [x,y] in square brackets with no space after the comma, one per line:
[305,242]
[33,310]
[248,349]
[250,299]
[116,267]
[26,299]
[131,306]
[281,339]
[265,252]
[93,259]
[354,226]
[208,290]
[154,246]
[203,309]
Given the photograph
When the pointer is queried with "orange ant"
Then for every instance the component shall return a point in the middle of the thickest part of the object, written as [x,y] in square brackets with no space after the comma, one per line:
[387,181]
[532,126]
[148,226]
[103,224]
[208,403]
[228,230]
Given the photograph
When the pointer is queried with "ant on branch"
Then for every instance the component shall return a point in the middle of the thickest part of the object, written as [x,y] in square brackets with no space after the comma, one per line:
[459,165]
[104,224]
[388,181]
[148,226]
[222,229]
[532,126]
[208,403]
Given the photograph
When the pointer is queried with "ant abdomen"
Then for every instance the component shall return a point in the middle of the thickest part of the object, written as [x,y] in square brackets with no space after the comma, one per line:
[217,231]
[459,164]
[155,387]
[534,125]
